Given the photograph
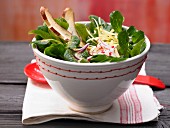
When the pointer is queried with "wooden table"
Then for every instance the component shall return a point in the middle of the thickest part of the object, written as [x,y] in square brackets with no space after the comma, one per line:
[15,55]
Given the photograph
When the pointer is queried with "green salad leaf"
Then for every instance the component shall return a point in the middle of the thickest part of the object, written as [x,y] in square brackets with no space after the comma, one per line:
[62,22]
[104,58]
[143,47]
[82,31]
[41,33]
[97,20]
[131,30]
[55,50]
[74,42]
[43,28]
[91,27]
[99,58]
[69,56]
[84,60]
[138,36]
[117,59]
[42,44]
[85,54]
[116,20]
[123,43]
[137,48]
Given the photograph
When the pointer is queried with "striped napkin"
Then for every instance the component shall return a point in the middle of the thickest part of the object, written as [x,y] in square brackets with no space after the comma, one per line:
[136,105]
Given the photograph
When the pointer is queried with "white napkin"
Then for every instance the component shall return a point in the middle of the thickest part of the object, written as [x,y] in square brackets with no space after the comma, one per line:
[136,105]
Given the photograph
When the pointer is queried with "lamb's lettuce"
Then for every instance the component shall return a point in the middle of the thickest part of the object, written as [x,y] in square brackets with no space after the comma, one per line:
[104,58]
[99,58]
[84,61]
[116,20]
[138,36]
[137,48]
[131,30]
[41,44]
[55,50]
[85,54]
[69,56]
[97,22]
[74,42]
[123,43]
[62,22]
[82,31]
[41,33]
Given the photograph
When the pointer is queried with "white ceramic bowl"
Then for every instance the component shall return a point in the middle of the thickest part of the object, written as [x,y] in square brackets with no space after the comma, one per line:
[90,87]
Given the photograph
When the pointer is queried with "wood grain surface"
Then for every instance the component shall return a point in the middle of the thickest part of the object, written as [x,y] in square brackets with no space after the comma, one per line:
[15,55]
[20,16]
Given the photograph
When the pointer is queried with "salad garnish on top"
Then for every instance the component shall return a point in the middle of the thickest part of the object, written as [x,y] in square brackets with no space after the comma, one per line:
[93,42]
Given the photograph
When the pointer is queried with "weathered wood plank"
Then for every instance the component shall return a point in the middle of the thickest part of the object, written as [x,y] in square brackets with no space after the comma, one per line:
[14,121]
[11,98]
[13,57]
[158,62]
[163,96]
[10,119]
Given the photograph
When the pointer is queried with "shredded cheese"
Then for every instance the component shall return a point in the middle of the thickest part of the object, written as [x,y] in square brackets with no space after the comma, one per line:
[107,42]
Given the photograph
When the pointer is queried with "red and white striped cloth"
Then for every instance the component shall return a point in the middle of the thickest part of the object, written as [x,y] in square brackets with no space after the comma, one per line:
[130,107]
[136,105]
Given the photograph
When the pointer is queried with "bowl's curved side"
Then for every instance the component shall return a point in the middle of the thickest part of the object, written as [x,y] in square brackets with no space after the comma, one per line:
[89,89]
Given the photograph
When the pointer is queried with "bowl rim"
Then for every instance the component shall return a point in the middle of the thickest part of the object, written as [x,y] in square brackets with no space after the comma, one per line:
[148,44]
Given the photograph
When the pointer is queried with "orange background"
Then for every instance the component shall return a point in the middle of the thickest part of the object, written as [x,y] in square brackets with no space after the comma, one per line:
[17,17]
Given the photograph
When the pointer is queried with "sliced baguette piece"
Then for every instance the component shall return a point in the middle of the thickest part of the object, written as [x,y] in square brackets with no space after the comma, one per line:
[68,15]
[53,26]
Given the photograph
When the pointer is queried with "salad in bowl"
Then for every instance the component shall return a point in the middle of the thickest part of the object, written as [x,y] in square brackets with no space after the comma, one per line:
[89,63]
[95,41]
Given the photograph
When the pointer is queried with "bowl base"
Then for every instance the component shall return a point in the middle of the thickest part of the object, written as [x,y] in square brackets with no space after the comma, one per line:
[91,110]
